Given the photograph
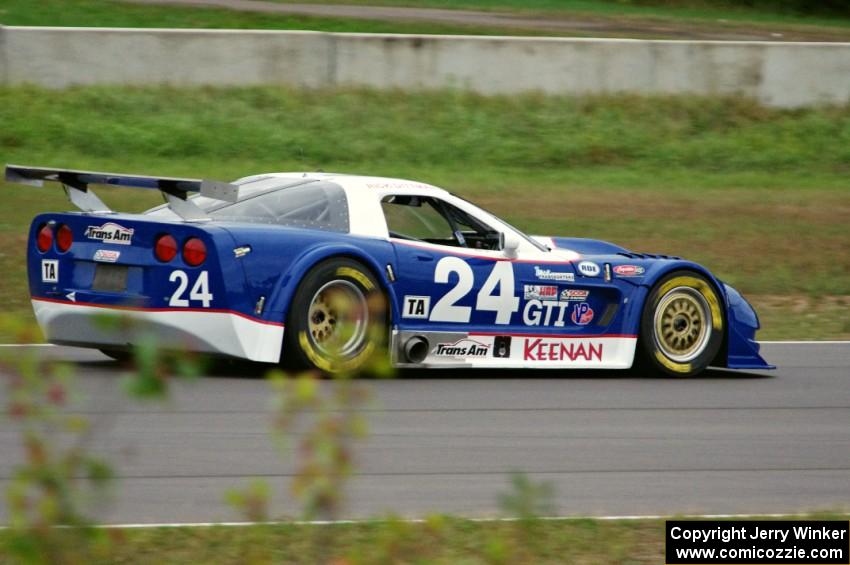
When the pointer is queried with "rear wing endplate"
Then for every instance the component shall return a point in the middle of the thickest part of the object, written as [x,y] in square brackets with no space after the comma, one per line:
[76,183]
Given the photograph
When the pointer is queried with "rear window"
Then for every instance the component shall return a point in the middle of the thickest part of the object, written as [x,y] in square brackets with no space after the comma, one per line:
[271,200]
[316,205]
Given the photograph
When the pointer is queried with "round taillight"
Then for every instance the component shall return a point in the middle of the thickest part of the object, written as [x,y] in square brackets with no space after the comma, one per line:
[45,238]
[165,248]
[64,238]
[194,251]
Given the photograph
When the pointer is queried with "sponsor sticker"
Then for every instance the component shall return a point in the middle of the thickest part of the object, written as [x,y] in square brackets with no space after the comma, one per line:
[629,270]
[540,292]
[416,307]
[582,314]
[550,275]
[464,347]
[574,294]
[542,349]
[49,270]
[110,232]
[589,269]
[106,255]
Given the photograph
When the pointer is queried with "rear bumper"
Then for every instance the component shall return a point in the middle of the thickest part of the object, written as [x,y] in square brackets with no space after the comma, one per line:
[205,331]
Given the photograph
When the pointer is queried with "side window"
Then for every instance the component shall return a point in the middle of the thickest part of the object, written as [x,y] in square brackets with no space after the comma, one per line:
[417,218]
[435,221]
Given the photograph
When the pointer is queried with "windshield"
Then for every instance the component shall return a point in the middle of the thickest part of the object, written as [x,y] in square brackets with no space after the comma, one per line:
[495,219]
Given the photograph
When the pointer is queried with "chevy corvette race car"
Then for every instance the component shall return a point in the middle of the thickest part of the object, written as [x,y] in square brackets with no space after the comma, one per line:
[323,270]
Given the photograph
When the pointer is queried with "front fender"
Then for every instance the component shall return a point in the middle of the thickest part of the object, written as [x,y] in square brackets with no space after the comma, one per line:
[742,349]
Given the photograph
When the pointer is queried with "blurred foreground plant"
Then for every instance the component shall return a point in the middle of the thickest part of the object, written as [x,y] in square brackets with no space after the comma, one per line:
[58,479]
[527,502]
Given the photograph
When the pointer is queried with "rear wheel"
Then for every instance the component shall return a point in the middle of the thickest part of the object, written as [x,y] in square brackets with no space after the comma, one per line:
[337,318]
[682,325]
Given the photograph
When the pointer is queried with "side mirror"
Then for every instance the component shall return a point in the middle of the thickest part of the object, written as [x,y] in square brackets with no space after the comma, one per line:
[510,243]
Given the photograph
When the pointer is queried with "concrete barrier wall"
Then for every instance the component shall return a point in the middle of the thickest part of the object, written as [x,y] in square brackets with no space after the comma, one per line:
[777,74]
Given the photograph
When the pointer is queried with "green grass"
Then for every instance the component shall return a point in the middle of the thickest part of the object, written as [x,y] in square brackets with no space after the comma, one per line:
[438,539]
[627,17]
[760,196]
[660,9]
[108,13]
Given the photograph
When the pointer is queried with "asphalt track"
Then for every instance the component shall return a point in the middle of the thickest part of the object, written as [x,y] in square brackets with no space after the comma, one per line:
[611,443]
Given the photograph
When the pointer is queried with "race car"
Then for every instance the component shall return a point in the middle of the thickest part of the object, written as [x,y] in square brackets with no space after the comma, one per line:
[324,271]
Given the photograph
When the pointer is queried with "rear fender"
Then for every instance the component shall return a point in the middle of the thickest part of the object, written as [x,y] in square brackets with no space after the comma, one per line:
[374,255]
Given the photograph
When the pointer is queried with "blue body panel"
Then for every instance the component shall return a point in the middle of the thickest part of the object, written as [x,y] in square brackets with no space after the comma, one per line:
[280,256]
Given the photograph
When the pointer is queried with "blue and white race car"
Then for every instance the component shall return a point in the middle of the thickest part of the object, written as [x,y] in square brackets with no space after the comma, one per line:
[323,270]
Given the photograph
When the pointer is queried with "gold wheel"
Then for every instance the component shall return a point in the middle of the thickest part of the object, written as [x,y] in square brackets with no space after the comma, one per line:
[682,324]
[337,319]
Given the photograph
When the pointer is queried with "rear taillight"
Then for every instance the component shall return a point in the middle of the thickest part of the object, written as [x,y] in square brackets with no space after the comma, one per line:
[64,238]
[45,238]
[194,251]
[165,248]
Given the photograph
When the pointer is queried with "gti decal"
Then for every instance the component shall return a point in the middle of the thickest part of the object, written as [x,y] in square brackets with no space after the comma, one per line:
[550,275]
[106,255]
[629,270]
[497,294]
[589,269]
[110,232]
[416,307]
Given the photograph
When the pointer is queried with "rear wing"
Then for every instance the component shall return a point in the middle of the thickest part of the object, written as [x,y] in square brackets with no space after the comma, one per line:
[76,184]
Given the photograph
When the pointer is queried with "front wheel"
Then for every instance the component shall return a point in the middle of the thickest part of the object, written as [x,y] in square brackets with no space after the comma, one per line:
[682,325]
[337,319]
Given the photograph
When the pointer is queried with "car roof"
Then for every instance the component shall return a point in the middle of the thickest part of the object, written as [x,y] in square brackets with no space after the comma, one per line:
[355,184]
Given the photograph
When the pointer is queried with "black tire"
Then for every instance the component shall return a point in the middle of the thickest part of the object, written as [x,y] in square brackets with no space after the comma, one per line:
[682,325]
[313,346]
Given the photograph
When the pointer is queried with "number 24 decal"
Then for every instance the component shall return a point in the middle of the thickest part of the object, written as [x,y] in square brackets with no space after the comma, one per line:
[503,304]
[200,290]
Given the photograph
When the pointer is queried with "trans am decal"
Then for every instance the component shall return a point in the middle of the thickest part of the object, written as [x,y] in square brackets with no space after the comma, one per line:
[110,232]
[463,348]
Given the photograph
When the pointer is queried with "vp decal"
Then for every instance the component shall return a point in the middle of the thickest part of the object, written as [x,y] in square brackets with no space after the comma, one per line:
[582,314]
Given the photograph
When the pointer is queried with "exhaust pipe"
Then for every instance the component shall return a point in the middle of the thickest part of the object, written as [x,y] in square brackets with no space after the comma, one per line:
[416,349]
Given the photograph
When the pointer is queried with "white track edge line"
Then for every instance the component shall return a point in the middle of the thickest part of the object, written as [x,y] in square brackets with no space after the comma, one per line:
[478,520]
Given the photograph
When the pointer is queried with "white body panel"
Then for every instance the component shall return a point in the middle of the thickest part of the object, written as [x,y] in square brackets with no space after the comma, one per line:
[217,332]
